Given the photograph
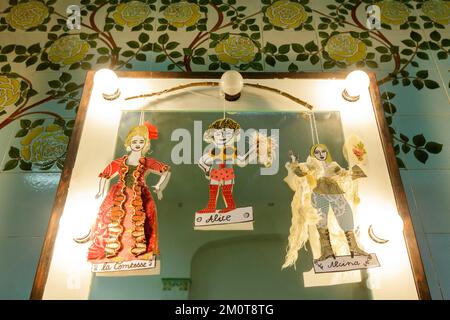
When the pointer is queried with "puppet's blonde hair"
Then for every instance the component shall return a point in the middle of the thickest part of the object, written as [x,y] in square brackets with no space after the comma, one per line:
[141,131]
[323,146]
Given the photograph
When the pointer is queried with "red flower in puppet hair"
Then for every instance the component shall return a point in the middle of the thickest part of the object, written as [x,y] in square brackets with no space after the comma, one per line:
[152,130]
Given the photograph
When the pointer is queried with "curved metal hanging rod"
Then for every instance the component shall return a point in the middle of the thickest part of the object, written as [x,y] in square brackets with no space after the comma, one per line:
[216,84]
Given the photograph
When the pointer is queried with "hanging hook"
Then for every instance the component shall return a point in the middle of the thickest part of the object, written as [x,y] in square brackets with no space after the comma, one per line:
[141,118]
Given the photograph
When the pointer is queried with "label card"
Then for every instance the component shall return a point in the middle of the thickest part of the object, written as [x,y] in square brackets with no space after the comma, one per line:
[126,268]
[346,263]
[237,219]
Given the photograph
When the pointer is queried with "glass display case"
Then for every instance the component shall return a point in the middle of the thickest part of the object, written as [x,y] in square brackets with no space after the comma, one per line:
[171,191]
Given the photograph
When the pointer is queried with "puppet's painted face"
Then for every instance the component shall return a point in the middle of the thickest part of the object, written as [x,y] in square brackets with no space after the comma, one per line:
[223,136]
[320,153]
[137,143]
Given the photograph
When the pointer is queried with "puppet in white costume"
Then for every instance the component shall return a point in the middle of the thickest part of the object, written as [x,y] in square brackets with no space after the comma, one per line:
[321,184]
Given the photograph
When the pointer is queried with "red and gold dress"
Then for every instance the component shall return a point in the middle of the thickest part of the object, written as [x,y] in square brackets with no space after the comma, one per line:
[126,226]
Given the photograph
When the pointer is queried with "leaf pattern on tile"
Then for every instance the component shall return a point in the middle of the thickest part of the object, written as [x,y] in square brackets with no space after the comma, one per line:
[216,35]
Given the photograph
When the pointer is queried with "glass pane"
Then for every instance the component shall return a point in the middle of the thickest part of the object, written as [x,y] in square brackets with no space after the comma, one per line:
[228,264]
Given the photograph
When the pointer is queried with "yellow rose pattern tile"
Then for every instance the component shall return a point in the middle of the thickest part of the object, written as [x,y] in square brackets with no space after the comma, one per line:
[437,10]
[182,14]
[235,49]
[131,14]
[286,14]
[394,12]
[9,92]
[44,145]
[215,35]
[41,145]
[344,47]
[68,50]
[27,15]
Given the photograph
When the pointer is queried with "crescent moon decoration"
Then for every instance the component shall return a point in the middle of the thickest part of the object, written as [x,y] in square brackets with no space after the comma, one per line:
[83,239]
[375,238]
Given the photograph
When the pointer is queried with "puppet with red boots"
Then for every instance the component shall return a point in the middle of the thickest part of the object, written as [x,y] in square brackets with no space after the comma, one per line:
[217,164]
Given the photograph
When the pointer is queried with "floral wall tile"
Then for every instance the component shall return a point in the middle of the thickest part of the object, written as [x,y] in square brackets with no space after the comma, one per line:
[293,52]
[153,35]
[203,16]
[348,50]
[6,135]
[26,15]
[419,138]
[435,14]
[175,51]
[286,15]
[419,95]
[39,145]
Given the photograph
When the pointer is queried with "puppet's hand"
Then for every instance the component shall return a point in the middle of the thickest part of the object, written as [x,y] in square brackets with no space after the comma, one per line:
[292,157]
[207,174]
[101,188]
[158,192]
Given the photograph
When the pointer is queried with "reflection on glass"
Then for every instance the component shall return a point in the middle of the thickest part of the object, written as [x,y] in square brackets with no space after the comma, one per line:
[229,264]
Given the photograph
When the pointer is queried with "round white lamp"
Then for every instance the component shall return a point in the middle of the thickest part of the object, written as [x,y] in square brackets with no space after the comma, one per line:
[232,83]
[383,230]
[356,83]
[108,83]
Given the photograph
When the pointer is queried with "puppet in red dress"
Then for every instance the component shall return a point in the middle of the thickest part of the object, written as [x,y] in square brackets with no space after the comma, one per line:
[126,226]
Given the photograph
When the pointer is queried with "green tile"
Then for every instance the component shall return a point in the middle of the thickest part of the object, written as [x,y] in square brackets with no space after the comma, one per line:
[440,246]
[431,272]
[412,202]
[20,256]
[26,218]
[433,205]
[409,100]
[419,220]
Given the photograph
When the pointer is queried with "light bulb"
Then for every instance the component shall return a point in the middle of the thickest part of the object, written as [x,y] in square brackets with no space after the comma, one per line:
[108,83]
[232,83]
[386,228]
[356,83]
